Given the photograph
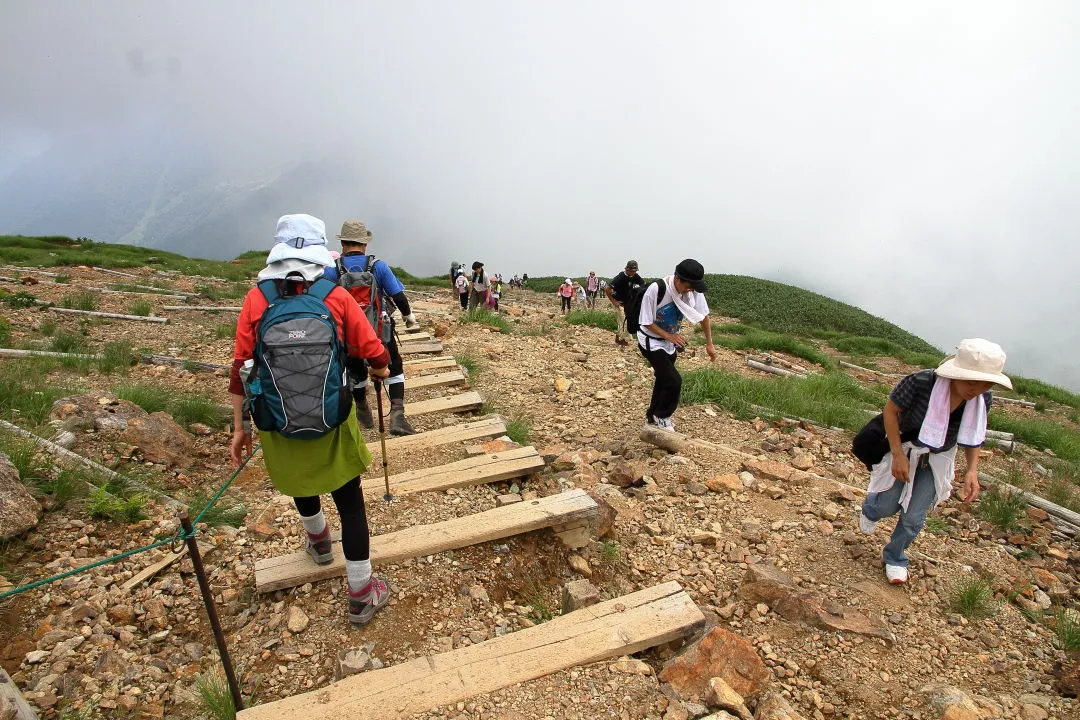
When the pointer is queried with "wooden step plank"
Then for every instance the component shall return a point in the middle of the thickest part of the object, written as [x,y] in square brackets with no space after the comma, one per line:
[429,363]
[455,377]
[622,626]
[462,402]
[487,427]
[294,569]
[412,348]
[470,471]
[406,337]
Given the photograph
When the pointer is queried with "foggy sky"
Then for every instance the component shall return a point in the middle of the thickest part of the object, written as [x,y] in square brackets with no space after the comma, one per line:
[919,160]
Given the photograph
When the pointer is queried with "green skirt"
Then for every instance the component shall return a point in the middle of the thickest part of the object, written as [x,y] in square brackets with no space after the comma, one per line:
[304,468]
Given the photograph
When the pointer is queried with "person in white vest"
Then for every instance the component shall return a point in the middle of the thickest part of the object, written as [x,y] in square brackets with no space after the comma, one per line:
[910,448]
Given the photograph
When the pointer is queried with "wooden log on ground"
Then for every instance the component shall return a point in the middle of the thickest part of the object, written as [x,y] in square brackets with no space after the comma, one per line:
[868,370]
[1014,401]
[774,370]
[413,348]
[152,359]
[36,271]
[63,452]
[1006,445]
[621,626]
[294,569]
[204,308]
[487,427]
[115,272]
[114,316]
[163,291]
[13,705]
[998,435]
[108,291]
[778,361]
[441,380]
[681,444]
[478,470]
[12,352]
[429,363]
[463,402]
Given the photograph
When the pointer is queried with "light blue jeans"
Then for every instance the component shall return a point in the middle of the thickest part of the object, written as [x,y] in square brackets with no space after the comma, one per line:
[885,504]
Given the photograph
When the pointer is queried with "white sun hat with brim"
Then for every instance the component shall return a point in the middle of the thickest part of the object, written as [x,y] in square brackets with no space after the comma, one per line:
[300,237]
[976,359]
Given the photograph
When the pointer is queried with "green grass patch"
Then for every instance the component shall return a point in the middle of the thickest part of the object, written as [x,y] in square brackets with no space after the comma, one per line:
[937,525]
[26,457]
[224,331]
[1066,624]
[20,300]
[973,599]
[5,332]
[223,512]
[518,430]
[142,308]
[62,279]
[1043,434]
[750,338]
[861,346]
[485,317]
[215,697]
[609,552]
[104,504]
[1062,492]
[833,399]
[47,327]
[1001,507]
[469,363]
[187,409]
[150,398]
[81,300]
[25,397]
[1039,389]
[220,291]
[114,357]
[72,343]
[597,318]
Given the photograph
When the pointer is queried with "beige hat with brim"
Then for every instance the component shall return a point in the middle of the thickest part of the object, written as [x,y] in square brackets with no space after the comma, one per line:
[978,360]
[354,231]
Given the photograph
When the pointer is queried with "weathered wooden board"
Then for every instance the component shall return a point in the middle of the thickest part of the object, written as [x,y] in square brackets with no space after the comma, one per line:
[429,363]
[13,705]
[455,377]
[287,571]
[471,471]
[462,402]
[114,316]
[622,626]
[487,427]
[418,336]
[412,348]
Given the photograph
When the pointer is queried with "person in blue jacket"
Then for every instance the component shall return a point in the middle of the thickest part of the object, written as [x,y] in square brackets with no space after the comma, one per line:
[354,239]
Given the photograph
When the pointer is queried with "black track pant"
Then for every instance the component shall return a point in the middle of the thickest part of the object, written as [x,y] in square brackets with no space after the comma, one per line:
[667,383]
[358,368]
[349,499]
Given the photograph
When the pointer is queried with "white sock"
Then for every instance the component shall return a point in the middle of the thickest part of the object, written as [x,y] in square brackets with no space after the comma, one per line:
[358,572]
[314,524]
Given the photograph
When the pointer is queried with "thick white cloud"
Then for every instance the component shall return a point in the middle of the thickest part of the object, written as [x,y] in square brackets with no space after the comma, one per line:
[917,159]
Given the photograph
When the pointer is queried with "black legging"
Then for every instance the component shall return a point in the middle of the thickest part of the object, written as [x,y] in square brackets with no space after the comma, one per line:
[667,383]
[349,499]
[464,299]
[565,302]
[358,368]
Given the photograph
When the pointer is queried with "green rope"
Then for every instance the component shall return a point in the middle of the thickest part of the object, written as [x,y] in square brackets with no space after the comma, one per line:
[180,536]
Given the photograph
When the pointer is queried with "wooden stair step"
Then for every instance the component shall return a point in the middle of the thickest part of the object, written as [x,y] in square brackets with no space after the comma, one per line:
[417,336]
[478,470]
[429,363]
[487,427]
[297,568]
[462,402]
[621,626]
[412,348]
[455,377]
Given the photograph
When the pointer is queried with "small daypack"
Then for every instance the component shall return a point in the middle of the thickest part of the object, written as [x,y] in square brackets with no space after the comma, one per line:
[365,290]
[632,306]
[298,385]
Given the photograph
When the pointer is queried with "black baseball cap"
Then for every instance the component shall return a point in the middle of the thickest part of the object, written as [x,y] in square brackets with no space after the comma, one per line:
[691,272]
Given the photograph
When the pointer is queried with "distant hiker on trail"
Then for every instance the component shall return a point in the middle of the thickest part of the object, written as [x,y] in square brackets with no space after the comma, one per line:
[356,270]
[658,336]
[462,283]
[579,292]
[494,293]
[478,286]
[566,293]
[307,466]
[592,286]
[910,449]
[617,292]
[455,268]
[524,279]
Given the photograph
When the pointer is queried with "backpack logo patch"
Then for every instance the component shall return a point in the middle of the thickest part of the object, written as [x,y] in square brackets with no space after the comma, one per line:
[297,334]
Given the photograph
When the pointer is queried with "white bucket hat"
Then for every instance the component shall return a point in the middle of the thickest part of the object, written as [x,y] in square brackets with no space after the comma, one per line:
[976,359]
[300,237]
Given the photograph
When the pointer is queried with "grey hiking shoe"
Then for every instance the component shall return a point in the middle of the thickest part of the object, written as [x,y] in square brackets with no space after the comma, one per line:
[398,424]
[320,548]
[364,416]
[364,603]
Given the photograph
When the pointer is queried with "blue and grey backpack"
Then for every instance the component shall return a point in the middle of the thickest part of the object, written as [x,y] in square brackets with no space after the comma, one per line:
[298,386]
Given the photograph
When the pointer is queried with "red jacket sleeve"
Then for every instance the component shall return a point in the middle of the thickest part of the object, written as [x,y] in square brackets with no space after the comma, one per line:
[246,327]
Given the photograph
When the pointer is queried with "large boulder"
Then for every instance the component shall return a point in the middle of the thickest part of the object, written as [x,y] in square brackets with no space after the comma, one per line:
[156,435]
[19,511]
[949,702]
[721,654]
[160,439]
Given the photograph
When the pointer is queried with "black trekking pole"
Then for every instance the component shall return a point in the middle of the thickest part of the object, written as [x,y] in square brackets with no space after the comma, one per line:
[382,440]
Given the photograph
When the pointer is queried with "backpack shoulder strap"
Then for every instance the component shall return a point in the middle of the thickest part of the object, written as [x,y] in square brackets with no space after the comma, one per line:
[370,266]
[269,289]
[321,288]
[661,288]
[340,267]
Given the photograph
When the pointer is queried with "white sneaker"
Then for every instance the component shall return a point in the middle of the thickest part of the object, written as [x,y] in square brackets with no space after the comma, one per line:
[867,525]
[896,574]
[665,424]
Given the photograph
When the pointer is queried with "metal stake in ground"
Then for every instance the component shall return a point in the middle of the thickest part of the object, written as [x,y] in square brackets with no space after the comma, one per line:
[211,609]
[382,440]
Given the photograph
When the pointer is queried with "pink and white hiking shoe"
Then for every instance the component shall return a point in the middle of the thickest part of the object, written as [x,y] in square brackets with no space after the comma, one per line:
[365,602]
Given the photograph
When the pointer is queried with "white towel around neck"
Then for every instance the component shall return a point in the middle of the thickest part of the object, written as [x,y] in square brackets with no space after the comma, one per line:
[935,425]
[688,311]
